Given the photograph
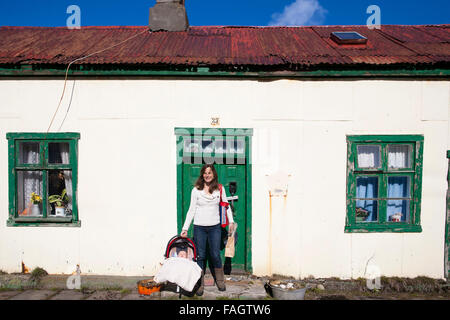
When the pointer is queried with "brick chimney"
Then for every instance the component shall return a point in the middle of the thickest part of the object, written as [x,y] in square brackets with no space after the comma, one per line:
[168,15]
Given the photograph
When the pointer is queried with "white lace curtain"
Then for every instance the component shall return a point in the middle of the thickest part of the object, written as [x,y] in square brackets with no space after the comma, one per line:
[399,156]
[369,156]
[28,181]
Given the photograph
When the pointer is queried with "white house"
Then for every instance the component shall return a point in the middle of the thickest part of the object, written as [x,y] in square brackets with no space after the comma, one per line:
[335,142]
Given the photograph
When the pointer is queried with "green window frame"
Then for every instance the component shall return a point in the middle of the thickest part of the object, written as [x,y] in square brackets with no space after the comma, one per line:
[42,166]
[380,172]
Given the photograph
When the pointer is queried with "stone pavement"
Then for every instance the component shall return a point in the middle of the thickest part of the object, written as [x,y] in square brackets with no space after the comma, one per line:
[239,287]
[53,287]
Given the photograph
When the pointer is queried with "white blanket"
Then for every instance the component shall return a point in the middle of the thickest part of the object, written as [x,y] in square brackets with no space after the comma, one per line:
[181,271]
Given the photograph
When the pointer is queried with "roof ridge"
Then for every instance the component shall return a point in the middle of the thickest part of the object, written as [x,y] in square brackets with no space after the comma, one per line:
[230,26]
[64,27]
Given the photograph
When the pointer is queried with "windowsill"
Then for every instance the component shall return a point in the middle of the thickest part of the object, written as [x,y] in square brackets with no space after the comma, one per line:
[390,227]
[41,222]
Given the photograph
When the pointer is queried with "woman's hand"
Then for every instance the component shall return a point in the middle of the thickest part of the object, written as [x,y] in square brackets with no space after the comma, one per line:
[231,227]
[184,233]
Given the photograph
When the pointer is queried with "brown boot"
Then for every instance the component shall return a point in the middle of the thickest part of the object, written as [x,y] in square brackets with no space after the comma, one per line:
[220,279]
[202,285]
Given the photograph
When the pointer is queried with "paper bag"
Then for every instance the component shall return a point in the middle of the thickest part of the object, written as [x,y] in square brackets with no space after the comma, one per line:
[229,248]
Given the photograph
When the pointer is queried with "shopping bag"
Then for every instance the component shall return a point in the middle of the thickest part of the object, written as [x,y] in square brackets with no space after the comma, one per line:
[231,242]
[229,248]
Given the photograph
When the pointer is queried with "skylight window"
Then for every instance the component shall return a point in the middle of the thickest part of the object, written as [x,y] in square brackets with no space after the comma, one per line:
[348,37]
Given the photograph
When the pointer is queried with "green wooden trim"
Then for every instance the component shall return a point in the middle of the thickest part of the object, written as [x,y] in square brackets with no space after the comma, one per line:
[382,207]
[132,70]
[351,185]
[44,195]
[447,225]
[179,162]
[55,220]
[382,228]
[386,138]
[208,132]
[11,179]
[383,174]
[418,183]
[43,166]
[42,135]
[74,161]
[12,223]
[248,148]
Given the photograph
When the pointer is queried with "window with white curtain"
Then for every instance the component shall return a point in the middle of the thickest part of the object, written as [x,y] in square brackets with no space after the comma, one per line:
[384,182]
[43,175]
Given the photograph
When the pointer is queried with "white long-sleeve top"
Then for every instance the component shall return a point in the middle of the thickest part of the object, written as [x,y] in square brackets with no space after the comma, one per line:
[204,208]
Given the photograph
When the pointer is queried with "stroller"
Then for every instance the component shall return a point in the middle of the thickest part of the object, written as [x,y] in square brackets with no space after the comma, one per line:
[182,248]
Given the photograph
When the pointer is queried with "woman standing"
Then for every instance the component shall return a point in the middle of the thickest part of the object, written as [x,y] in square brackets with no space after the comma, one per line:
[204,209]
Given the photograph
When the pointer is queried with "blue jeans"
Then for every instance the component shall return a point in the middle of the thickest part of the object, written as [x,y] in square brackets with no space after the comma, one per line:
[211,235]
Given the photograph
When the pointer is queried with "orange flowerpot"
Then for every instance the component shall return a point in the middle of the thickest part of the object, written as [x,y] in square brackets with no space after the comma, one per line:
[148,287]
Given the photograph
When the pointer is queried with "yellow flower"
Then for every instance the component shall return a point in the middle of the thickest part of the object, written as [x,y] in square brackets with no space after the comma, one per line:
[35,198]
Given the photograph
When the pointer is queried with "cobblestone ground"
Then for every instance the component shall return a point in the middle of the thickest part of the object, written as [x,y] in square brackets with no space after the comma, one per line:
[14,287]
[209,295]
[236,289]
[357,295]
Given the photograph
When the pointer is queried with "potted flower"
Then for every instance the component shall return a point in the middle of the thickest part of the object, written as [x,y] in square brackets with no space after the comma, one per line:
[36,201]
[60,202]
[361,214]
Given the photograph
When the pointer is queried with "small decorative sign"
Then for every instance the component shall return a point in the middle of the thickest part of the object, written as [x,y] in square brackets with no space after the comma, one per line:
[215,121]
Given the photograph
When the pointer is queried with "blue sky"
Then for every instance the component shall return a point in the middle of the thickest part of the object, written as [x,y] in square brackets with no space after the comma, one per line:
[227,12]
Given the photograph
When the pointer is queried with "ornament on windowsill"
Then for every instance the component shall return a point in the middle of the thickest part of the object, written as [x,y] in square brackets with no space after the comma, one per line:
[396,217]
[361,214]
[35,207]
[60,202]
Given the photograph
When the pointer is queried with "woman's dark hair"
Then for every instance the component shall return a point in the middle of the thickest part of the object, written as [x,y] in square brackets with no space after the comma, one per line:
[214,185]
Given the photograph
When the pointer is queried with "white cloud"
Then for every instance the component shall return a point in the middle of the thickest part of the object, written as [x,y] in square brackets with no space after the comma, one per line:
[300,13]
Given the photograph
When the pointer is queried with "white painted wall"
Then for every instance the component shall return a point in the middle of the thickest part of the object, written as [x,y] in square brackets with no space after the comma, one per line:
[127,170]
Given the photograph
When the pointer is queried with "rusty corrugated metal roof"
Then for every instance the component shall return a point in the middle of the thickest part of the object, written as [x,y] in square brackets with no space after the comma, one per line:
[284,47]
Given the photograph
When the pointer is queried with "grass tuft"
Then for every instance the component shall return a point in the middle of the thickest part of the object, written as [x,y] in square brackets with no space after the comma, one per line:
[38,273]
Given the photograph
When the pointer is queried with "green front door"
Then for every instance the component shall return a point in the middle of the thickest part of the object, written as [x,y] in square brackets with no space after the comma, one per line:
[231,171]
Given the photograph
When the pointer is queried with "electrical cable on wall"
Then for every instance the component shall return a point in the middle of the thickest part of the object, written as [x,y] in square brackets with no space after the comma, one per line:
[68,107]
[79,59]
